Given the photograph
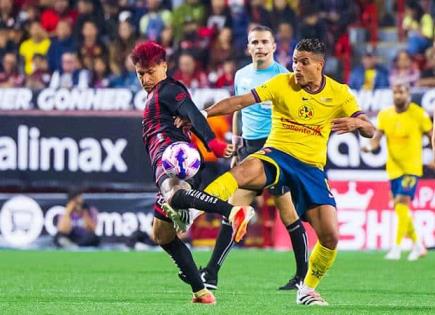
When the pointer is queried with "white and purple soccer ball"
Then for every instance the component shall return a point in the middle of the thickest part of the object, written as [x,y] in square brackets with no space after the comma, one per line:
[181,159]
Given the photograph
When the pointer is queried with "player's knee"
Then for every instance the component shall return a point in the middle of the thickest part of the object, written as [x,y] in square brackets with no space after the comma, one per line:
[161,237]
[168,191]
[329,240]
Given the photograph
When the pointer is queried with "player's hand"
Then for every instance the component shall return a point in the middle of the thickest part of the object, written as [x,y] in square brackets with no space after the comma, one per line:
[345,124]
[220,148]
[180,122]
[229,151]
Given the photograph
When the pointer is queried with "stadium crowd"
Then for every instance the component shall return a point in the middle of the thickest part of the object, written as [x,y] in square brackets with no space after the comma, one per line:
[85,43]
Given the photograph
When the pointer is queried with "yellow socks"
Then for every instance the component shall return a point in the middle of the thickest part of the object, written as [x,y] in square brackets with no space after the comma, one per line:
[222,187]
[405,226]
[321,260]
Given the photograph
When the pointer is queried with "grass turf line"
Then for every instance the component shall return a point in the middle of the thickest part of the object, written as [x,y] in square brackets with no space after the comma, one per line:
[58,282]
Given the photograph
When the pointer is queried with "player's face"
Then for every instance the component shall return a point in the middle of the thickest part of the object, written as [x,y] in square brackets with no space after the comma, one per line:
[401,96]
[307,67]
[261,46]
[150,76]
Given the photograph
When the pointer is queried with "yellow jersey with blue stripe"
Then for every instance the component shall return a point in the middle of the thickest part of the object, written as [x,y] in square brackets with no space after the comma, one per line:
[302,121]
[404,133]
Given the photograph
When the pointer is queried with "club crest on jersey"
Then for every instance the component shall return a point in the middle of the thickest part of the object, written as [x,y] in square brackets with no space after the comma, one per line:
[305,112]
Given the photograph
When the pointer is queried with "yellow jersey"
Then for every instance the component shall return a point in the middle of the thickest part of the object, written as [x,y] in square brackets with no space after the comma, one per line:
[404,133]
[29,48]
[302,121]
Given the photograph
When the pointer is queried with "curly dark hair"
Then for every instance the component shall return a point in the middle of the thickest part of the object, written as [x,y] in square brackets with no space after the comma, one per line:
[313,45]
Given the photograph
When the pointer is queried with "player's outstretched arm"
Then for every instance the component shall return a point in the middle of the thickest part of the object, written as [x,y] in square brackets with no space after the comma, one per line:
[230,105]
[349,124]
[375,142]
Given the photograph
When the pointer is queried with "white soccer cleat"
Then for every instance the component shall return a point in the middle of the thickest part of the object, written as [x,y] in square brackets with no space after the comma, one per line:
[394,253]
[418,251]
[308,296]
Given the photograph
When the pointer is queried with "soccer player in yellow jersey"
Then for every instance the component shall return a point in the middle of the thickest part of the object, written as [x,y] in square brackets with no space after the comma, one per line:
[307,105]
[404,126]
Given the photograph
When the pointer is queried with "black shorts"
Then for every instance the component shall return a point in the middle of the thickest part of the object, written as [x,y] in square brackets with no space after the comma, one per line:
[252,146]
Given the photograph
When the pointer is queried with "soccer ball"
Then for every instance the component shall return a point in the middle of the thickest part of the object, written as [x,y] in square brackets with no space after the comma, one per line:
[181,159]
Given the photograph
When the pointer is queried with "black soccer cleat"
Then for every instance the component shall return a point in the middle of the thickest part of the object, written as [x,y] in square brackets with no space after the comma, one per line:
[209,281]
[291,284]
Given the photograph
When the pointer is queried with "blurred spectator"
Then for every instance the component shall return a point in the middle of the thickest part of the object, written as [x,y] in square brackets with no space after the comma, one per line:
[369,75]
[189,73]
[312,26]
[40,77]
[419,27]
[258,13]
[62,42]
[405,70]
[88,10]
[166,40]
[8,13]
[76,226]
[226,79]
[219,16]
[196,41]
[38,43]
[428,75]
[285,45]
[51,16]
[221,49]
[122,46]
[128,78]
[155,20]
[90,44]
[100,73]
[282,13]
[337,14]
[71,75]
[6,45]
[190,11]
[10,77]
[110,13]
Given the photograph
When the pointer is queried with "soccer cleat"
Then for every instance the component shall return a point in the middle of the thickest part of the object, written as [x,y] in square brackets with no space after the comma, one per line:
[177,217]
[394,253]
[418,251]
[308,296]
[209,281]
[292,284]
[204,297]
[239,218]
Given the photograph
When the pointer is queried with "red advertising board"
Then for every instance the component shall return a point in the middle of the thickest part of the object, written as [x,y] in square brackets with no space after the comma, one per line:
[366,216]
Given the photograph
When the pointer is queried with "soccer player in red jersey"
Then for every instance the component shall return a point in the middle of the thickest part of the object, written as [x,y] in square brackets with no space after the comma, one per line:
[167,99]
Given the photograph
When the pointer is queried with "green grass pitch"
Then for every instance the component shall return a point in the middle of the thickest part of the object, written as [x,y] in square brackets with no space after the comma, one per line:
[58,282]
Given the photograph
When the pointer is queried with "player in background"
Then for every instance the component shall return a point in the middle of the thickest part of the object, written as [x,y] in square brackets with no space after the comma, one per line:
[404,124]
[167,99]
[255,127]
